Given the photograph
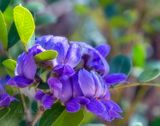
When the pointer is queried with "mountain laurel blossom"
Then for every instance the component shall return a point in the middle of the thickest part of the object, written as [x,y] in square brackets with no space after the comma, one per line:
[78,77]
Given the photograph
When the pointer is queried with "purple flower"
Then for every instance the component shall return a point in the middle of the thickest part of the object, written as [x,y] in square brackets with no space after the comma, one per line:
[25,71]
[79,76]
[26,68]
[85,89]
[69,55]
[113,79]
[45,99]
[5,99]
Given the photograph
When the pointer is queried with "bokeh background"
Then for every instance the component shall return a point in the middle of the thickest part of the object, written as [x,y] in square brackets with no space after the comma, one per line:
[131,27]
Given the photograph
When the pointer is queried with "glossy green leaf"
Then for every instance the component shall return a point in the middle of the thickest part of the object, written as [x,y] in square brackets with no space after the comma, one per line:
[3,31]
[24,23]
[46,55]
[139,54]
[4,4]
[149,75]
[51,115]
[13,36]
[10,66]
[4,112]
[120,64]
[69,119]
[45,19]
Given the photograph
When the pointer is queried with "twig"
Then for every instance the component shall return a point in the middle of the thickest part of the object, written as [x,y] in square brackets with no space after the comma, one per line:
[128,85]
[37,116]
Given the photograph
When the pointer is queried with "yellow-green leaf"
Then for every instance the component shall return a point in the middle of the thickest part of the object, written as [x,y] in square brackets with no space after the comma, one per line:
[10,66]
[24,23]
[3,31]
[46,55]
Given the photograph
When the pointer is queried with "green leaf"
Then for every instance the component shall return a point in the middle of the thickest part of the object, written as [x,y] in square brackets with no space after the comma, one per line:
[51,115]
[4,112]
[149,75]
[10,66]
[120,64]
[3,31]
[4,4]
[24,23]
[45,19]
[139,54]
[155,121]
[46,55]
[88,117]
[8,15]
[11,90]
[14,116]
[69,119]
[13,36]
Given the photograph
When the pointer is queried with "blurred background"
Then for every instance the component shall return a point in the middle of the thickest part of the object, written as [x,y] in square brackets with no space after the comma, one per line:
[131,27]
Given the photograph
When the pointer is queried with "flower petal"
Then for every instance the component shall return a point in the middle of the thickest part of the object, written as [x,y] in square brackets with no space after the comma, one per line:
[47,101]
[104,49]
[29,67]
[100,87]
[112,111]
[36,49]
[116,78]
[82,100]
[5,100]
[86,83]
[55,86]
[96,107]
[73,55]
[20,81]
[66,93]
[76,90]
[39,95]
[73,106]
[26,66]
[62,70]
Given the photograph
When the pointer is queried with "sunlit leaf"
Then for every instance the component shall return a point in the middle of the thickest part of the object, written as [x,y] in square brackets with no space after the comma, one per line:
[139,54]
[10,66]
[46,55]
[24,23]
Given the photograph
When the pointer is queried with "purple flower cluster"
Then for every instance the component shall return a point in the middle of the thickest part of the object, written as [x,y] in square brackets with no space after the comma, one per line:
[79,76]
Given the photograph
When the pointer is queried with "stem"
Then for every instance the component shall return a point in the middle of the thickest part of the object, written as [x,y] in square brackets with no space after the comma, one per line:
[134,85]
[23,100]
[37,116]
[27,112]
